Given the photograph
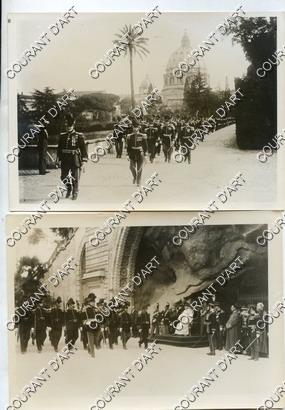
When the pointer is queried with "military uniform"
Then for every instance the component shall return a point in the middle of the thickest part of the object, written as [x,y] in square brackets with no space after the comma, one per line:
[56,324]
[71,151]
[41,321]
[125,325]
[152,133]
[144,325]
[136,148]
[24,328]
[185,141]
[212,328]
[42,150]
[112,324]
[93,329]
[221,328]
[155,322]
[118,135]
[168,139]
[72,323]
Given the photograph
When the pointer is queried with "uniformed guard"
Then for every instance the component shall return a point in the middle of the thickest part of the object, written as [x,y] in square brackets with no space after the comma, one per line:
[83,328]
[72,153]
[136,149]
[152,133]
[211,326]
[185,141]
[144,325]
[168,140]
[42,150]
[118,135]
[221,326]
[125,325]
[56,323]
[155,322]
[72,323]
[92,327]
[112,324]
[24,328]
[40,323]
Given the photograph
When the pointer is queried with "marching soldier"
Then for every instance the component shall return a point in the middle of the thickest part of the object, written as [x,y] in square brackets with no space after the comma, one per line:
[40,324]
[125,325]
[118,135]
[136,149]
[72,323]
[24,328]
[72,153]
[168,140]
[83,328]
[134,318]
[212,327]
[152,137]
[112,323]
[92,327]
[186,143]
[56,323]
[144,325]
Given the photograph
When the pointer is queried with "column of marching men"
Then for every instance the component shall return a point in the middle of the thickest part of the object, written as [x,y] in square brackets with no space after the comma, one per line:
[222,328]
[75,321]
[153,134]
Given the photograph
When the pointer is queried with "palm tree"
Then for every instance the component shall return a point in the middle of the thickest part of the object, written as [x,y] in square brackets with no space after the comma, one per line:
[136,45]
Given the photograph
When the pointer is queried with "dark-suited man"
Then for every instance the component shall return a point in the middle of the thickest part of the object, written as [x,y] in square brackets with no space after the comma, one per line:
[144,325]
[136,149]
[72,153]
[56,323]
[41,321]
[72,323]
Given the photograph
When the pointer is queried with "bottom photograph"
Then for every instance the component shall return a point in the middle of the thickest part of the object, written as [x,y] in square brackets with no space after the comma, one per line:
[152,311]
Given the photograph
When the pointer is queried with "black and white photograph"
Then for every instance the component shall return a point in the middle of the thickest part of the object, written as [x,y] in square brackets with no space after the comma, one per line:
[163,322]
[108,99]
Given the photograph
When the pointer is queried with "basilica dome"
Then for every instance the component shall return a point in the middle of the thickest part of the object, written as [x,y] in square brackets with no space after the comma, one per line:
[180,54]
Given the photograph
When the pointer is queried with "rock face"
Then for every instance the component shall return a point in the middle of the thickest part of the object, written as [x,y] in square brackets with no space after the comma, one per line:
[190,268]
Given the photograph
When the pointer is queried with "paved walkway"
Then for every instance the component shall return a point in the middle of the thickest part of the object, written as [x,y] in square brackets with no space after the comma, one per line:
[108,184]
[158,386]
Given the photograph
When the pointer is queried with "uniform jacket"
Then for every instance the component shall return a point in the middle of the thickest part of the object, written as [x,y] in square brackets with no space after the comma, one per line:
[72,318]
[144,320]
[136,145]
[125,321]
[72,149]
[40,318]
[56,318]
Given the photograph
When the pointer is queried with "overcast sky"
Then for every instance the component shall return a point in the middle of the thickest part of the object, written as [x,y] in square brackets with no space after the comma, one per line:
[66,60]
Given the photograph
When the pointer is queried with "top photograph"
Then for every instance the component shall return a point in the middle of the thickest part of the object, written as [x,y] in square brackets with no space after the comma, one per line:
[146,111]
